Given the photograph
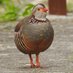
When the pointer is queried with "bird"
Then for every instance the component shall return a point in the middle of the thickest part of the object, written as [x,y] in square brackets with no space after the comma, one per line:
[34,33]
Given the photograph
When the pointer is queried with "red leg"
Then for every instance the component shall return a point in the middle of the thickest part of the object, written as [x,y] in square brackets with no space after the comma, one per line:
[31,61]
[37,61]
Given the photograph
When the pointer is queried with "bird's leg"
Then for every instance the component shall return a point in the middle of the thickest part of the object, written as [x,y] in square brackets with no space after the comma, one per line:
[37,61]
[31,61]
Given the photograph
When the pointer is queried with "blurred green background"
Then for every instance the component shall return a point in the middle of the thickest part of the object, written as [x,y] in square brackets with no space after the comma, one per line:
[11,10]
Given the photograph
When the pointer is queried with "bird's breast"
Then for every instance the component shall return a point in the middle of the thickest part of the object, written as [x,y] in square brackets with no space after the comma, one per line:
[37,31]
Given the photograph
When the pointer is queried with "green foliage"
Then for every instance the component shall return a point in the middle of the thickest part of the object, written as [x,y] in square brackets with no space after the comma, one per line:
[11,11]
[28,9]
[70,6]
[1,2]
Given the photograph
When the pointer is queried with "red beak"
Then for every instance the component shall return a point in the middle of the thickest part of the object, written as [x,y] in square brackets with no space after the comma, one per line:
[43,9]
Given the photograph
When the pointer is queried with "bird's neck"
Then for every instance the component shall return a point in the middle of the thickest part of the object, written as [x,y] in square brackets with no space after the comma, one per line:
[40,16]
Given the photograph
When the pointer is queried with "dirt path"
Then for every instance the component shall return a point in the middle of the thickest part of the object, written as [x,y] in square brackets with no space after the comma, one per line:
[57,59]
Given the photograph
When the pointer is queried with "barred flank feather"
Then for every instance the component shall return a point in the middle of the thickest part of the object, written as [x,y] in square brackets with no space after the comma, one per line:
[19,43]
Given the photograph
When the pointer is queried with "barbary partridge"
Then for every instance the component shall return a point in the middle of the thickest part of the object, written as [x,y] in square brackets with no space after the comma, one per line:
[34,34]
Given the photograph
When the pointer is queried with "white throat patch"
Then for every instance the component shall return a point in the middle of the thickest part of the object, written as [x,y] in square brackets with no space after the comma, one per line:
[40,15]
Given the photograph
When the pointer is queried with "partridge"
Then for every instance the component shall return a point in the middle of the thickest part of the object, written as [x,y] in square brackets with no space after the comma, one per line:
[34,34]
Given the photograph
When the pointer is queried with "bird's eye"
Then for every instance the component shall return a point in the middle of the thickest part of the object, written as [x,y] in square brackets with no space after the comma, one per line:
[38,9]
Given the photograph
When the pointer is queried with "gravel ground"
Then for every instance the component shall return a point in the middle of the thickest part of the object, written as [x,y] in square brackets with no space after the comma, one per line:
[57,59]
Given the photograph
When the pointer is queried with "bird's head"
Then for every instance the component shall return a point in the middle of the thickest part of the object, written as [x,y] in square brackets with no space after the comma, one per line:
[40,11]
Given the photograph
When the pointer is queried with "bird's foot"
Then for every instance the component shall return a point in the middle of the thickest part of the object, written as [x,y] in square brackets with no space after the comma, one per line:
[32,65]
[37,65]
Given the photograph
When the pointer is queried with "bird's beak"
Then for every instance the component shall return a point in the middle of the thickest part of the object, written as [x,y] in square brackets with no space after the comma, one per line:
[43,9]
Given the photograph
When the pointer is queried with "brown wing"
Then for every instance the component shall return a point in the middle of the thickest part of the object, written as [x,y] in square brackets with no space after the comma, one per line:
[18,26]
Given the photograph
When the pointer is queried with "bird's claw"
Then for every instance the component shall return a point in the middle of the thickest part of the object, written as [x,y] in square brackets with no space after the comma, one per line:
[32,65]
[37,65]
